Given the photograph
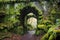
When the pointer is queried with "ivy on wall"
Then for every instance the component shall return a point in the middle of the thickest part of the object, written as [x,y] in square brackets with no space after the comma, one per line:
[13,24]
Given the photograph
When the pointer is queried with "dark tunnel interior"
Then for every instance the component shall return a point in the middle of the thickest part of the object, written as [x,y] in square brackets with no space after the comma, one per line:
[58,37]
[2,16]
[27,10]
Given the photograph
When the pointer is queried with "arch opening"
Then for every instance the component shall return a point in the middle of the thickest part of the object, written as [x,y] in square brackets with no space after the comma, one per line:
[25,11]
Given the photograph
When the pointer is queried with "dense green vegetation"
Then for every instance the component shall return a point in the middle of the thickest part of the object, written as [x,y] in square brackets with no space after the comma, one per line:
[11,23]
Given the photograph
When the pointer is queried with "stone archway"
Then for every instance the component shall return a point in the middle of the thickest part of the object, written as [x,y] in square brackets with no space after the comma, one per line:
[25,11]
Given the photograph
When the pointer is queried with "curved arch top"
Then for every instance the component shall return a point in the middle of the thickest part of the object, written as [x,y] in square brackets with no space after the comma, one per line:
[26,10]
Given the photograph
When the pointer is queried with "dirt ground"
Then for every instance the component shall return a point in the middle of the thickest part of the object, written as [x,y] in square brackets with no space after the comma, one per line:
[23,37]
